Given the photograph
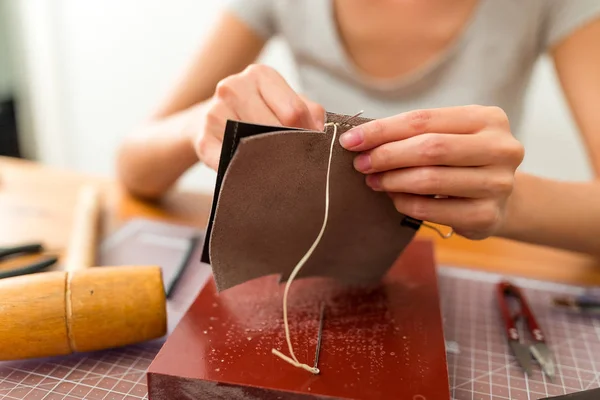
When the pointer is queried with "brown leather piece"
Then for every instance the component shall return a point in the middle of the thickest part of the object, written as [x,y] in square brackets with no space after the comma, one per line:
[383,341]
[271,206]
[234,132]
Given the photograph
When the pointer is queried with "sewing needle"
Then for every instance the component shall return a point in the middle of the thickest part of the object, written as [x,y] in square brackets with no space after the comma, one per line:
[351,117]
[320,334]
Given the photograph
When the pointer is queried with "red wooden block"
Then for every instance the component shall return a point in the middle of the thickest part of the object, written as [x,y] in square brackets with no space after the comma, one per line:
[379,342]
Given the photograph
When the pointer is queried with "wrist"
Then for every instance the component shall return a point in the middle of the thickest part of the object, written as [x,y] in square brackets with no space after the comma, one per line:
[551,213]
[513,214]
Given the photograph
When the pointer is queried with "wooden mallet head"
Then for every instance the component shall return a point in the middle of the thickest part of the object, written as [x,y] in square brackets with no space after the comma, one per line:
[81,309]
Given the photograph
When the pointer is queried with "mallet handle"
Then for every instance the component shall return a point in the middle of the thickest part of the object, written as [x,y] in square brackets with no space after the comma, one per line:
[81,252]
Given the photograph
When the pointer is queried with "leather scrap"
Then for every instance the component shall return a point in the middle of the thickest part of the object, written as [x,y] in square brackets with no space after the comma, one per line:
[270,202]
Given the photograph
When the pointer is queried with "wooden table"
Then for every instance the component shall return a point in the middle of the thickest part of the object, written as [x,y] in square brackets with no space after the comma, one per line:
[36,203]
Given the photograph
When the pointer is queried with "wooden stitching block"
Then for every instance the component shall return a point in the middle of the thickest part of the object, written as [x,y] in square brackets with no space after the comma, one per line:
[381,341]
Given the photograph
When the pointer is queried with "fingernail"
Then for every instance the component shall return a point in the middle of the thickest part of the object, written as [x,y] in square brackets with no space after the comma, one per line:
[373,182]
[352,138]
[363,163]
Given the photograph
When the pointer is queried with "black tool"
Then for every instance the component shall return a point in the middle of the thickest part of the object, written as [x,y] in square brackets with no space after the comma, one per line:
[29,268]
[192,243]
[319,335]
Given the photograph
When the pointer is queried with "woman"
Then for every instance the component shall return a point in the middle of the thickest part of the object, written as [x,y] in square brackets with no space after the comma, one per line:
[445,80]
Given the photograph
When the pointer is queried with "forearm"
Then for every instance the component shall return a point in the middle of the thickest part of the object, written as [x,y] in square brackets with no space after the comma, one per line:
[552,213]
[152,158]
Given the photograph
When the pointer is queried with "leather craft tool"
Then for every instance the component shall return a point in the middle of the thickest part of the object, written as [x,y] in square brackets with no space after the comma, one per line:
[80,309]
[517,314]
[183,263]
[582,304]
[382,341]
[319,335]
[29,267]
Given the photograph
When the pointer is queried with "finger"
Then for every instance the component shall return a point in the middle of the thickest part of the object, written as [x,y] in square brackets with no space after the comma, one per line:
[429,149]
[241,95]
[251,107]
[209,151]
[475,182]
[466,215]
[284,102]
[459,120]
[216,118]
[316,111]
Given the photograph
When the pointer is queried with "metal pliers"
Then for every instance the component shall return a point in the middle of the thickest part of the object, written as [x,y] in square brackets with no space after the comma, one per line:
[29,268]
[516,313]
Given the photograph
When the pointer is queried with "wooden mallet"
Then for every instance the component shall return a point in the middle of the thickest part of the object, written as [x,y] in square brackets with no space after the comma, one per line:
[81,309]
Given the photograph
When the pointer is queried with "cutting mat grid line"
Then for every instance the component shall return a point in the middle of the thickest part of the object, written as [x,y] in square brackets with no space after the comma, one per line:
[591,355]
[484,368]
[110,375]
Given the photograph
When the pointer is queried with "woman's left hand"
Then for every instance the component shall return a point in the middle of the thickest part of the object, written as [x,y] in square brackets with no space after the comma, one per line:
[465,155]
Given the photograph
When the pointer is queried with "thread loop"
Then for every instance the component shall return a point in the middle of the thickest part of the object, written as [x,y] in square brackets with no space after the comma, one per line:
[293,360]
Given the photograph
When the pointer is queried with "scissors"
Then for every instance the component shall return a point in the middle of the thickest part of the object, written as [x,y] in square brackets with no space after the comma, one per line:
[516,314]
[22,250]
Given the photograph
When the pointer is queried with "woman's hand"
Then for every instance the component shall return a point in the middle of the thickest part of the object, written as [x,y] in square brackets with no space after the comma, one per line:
[465,155]
[257,95]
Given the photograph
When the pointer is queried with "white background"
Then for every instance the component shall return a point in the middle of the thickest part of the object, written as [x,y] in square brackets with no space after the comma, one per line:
[88,71]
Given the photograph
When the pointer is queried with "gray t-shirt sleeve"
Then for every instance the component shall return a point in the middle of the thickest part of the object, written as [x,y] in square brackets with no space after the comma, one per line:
[563,17]
[257,14]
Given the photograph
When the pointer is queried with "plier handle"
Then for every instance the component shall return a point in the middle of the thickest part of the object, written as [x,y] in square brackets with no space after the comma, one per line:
[522,315]
[21,250]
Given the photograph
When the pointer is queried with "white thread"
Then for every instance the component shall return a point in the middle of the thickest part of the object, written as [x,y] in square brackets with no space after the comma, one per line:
[293,360]
[439,232]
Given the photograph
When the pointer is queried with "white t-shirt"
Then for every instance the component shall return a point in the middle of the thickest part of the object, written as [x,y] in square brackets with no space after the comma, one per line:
[489,64]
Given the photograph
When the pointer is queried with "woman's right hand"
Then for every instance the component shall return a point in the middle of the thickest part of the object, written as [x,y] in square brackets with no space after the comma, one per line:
[257,95]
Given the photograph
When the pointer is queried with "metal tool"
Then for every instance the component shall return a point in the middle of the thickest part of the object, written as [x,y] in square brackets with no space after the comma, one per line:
[350,118]
[319,335]
[581,304]
[28,268]
[517,315]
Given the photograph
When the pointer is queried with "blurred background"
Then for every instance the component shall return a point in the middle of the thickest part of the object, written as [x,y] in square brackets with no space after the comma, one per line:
[75,76]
